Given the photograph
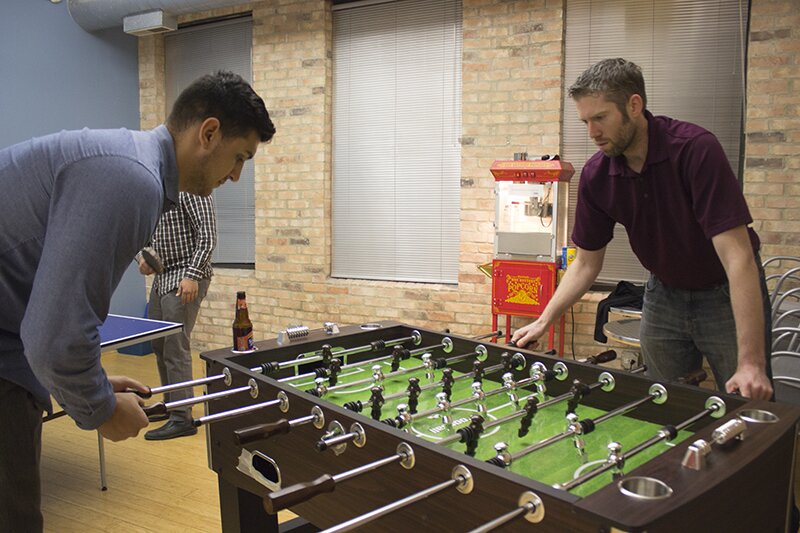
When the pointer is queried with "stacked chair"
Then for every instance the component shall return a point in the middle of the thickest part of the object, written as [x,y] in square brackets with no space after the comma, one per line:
[783,281]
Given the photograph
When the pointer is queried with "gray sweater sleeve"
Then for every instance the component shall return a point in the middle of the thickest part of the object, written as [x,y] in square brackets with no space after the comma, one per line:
[102,211]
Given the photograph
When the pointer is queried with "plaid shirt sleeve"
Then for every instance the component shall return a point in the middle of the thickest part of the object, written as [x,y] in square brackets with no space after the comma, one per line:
[202,217]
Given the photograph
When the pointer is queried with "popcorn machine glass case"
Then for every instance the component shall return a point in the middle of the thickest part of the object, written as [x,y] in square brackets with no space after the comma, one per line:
[526,207]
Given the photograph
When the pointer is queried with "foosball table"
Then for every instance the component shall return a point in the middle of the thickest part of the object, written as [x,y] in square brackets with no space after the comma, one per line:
[388,427]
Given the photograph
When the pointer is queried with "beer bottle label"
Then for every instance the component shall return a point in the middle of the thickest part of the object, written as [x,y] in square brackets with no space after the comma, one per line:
[243,339]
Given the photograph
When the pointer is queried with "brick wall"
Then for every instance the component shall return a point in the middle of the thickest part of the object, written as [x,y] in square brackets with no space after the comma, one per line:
[512,68]
[772,163]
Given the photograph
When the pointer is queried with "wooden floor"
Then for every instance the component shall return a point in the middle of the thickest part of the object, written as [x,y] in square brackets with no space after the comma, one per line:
[161,486]
[153,486]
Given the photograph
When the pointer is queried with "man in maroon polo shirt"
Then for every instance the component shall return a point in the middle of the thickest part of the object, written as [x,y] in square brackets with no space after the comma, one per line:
[669,183]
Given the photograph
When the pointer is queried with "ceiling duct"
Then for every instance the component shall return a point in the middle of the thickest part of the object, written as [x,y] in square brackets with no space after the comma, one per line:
[149,23]
[95,15]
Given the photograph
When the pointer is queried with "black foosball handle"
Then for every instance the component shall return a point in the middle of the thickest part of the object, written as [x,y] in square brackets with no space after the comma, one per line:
[602,357]
[261,432]
[695,377]
[298,493]
[159,408]
[140,394]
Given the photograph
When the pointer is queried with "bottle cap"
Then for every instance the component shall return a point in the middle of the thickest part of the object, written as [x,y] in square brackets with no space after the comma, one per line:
[240,294]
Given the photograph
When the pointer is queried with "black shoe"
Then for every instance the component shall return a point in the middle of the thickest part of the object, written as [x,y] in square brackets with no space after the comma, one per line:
[158,418]
[171,430]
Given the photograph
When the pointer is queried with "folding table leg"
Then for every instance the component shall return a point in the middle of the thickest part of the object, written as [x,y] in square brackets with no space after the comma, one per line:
[102,453]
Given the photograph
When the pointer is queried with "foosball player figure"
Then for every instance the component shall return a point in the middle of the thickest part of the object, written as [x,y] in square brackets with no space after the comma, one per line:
[377,375]
[443,404]
[616,457]
[403,418]
[320,389]
[531,407]
[376,401]
[539,377]
[427,361]
[472,433]
[477,371]
[397,354]
[413,391]
[333,371]
[327,355]
[479,396]
[574,425]
[447,382]
[505,360]
[511,388]
[578,391]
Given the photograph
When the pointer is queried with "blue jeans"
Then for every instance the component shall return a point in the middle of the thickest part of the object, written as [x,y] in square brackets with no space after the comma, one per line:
[681,326]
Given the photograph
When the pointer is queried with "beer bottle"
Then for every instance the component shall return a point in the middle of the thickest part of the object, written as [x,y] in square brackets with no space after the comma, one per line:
[242,327]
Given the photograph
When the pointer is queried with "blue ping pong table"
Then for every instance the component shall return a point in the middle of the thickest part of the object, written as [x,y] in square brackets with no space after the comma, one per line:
[117,332]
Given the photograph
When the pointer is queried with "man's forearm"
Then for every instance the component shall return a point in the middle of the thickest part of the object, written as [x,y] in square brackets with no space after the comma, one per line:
[748,313]
[576,281]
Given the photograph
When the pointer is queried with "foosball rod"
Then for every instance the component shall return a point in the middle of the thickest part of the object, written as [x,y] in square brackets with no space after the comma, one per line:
[480,351]
[282,401]
[268,368]
[161,408]
[507,379]
[375,346]
[657,394]
[530,506]
[302,492]
[446,344]
[281,427]
[359,406]
[560,369]
[460,478]
[714,406]
[498,333]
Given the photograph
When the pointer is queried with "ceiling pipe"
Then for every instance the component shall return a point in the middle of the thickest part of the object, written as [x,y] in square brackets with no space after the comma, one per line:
[94,15]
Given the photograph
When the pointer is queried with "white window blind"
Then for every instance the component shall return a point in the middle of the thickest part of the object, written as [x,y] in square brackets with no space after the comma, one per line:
[194,52]
[691,56]
[396,151]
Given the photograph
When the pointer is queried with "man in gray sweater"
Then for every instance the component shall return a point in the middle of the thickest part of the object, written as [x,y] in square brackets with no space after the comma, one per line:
[75,209]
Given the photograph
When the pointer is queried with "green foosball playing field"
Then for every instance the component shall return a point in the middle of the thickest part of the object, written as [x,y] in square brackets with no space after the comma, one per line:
[552,464]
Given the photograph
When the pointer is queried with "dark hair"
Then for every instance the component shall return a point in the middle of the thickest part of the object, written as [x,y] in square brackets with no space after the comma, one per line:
[227,97]
[616,79]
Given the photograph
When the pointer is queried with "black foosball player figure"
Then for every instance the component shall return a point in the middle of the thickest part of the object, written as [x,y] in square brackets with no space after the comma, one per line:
[447,382]
[397,354]
[472,433]
[376,401]
[578,391]
[413,391]
[327,355]
[333,371]
[506,361]
[477,371]
[531,407]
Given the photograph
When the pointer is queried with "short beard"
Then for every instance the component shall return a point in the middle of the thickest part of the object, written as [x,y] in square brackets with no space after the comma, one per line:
[625,138]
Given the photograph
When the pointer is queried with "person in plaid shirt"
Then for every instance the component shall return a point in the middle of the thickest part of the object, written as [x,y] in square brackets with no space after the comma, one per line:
[184,240]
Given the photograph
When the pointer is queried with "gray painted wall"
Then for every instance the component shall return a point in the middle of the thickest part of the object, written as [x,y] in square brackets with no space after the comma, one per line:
[54,76]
